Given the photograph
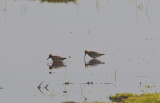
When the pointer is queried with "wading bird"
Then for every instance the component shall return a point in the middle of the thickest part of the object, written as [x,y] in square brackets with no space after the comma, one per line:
[56,59]
[93,54]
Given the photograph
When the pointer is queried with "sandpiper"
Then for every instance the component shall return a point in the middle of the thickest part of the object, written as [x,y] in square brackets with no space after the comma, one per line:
[56,59]
[93,54]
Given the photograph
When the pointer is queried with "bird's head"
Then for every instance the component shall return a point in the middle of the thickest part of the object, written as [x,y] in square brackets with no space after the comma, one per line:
[50,56]
[86,51]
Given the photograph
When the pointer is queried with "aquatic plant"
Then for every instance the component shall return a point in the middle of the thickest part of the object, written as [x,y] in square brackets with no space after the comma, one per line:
[82,102]
[134,98]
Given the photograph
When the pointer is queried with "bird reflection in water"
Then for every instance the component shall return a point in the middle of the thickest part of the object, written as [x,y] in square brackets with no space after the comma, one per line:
[56,65]
[93,62]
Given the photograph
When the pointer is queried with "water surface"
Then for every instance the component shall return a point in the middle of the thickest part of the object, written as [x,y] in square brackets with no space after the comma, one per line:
[127,31]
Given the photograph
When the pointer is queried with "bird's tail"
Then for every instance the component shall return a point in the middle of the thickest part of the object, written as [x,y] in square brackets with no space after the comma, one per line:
[64,58]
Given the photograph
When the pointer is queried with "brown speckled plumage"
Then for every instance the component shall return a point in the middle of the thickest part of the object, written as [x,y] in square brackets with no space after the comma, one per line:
[56,59]
[93,54]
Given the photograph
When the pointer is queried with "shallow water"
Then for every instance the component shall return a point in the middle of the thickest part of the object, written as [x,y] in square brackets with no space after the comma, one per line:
[127,31]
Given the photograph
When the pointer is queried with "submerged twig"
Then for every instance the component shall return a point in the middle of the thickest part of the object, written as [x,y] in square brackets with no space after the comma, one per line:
[67,83]
[39,87]
[46,87]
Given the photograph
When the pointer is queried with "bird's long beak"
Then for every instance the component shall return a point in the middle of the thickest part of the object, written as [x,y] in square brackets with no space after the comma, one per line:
[84,55]
[84,59]
[47,58]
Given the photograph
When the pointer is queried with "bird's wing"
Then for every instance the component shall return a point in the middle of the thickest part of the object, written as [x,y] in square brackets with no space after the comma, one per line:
[93,52]
[57,57]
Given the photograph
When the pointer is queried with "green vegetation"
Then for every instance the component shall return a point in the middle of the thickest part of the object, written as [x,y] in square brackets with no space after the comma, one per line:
[69,102]
[82,102]
[121,97]
[134,98]
[58,1]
